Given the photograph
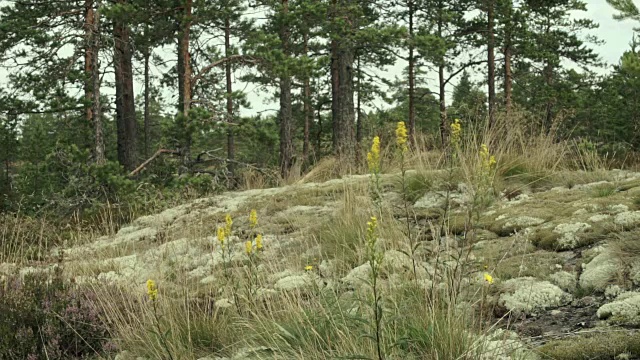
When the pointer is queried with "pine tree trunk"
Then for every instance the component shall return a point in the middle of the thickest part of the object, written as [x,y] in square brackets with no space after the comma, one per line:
[358,111]
[286,118]
[125,98]
[96,105]
[443,106]
[335,84]
[412,76]
[318,151]
[184,77]
[92,82]
[231,147]
[508,78]
[491,73]
[147,116]
[308,112]
[441,83]
[548,78]
[507,52]
[342,91]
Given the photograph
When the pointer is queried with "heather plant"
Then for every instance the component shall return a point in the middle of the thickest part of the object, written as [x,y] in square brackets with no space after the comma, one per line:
[46,317]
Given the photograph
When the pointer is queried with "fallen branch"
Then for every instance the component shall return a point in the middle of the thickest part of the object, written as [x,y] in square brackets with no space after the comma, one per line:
[158,153]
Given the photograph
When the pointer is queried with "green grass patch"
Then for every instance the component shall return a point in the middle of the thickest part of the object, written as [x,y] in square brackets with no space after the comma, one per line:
[602,346]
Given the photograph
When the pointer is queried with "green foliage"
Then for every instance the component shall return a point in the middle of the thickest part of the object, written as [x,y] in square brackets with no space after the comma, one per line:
[468,101]
[66,182]
[417,185]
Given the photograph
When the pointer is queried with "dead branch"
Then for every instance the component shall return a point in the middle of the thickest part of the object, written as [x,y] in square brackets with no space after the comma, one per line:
[208,68]
[158,153]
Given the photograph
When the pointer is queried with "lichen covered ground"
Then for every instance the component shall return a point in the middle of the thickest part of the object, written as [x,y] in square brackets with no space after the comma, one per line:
[561,259]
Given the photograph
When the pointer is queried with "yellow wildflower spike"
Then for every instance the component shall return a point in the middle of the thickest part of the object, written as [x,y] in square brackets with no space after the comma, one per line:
[229,223]
[488,278]
[221,235]
[401,136]
[456,131]
[248,247]
[308,268]
[259,242]
[373,156]
[253,218]
[152,290]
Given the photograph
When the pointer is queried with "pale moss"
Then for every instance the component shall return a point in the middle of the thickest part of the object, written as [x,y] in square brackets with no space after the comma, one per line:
[529,295]
[627,219]
[625,310]
[565,280]
[599,217]
[295,282]
[600,271]
[358,276]
[570,234]
[502,345]
[522,222]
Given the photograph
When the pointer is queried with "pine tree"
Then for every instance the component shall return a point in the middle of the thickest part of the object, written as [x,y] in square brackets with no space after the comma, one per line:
[554,36]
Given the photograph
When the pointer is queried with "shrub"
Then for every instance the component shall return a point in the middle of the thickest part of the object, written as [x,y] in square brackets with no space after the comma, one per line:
[45,317]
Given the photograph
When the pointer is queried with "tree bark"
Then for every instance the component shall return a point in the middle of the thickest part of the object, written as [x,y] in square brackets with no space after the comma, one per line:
[125,97]
[147,116]
[358,109]
[491,69]
[548,78]
[231,147]
[184,76]
[342,87]
[308,112]
[443,105]
[92,82]
[318,151]
[286,121]
[442,82]
[507,52]
[412,78]
[508,77]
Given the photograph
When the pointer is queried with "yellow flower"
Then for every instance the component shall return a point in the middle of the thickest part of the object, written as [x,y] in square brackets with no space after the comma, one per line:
[259,242]
[308,268]
[221,235]
[371,232]
[488,161]
[372,225]
[253,218]
[488,278]
[248,247]
[373,156]
[152,290]
[456,131]
[401,137]
[228,223]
